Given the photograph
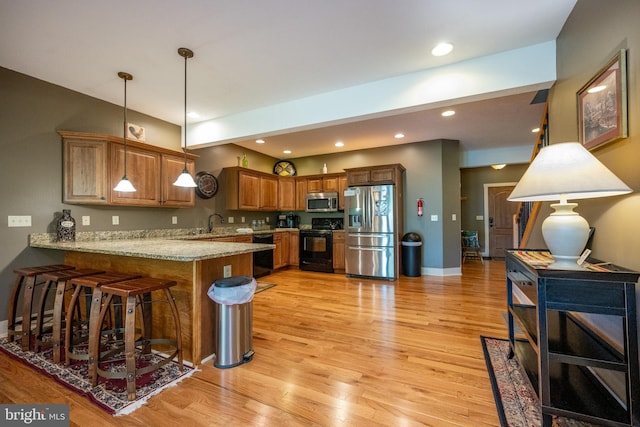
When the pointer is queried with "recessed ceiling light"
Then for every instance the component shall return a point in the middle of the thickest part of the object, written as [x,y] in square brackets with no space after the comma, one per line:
[498,167]
[287,151]
[448,113]
[194,115]
[442,49]
[399,135]
[535,130]
[260,141]
[339,144]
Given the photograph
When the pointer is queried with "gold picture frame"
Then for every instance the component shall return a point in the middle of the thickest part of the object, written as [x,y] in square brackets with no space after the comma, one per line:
[602,104]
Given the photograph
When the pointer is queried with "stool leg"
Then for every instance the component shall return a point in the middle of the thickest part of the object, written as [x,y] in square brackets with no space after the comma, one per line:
[130,346]
[96,318]
[176,319]
[69,324]
[13,303]
[58,306]
[40,315]
[27,303]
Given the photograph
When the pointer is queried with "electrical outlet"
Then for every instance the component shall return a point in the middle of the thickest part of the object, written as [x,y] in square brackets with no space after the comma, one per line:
[242,220]
[454,217]
[266,220]
[115,220]
[231,220]
[86,220]
[174,219]
[19,221]
[227,271]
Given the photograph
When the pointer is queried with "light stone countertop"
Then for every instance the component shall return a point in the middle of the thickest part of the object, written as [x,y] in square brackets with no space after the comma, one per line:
[173,248]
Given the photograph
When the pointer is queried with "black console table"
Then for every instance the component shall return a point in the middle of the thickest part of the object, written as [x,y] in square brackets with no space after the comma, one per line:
[562,355]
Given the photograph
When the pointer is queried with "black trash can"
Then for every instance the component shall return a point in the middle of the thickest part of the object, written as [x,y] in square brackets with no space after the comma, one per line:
[233,344]
[411,254]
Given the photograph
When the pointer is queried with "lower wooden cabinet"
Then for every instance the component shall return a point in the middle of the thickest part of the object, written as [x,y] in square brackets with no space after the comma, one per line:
[281,252]
[338,251]
[294,248]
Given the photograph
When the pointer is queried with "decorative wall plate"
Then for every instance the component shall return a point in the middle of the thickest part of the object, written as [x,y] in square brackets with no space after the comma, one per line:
[284,168]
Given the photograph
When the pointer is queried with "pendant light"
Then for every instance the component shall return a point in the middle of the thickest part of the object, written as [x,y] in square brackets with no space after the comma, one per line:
[125,185]
[185,179]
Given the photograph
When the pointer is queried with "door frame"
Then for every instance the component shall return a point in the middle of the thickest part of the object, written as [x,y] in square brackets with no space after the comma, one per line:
[485,252]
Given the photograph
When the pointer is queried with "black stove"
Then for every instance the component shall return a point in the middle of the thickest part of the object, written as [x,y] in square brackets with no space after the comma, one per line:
[316,244]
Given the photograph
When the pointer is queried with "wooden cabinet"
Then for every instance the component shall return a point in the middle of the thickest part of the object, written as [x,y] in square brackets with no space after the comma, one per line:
[286,193]
[86,171]
[567,360]
[342,185]
[301,193]
[294,248]
[93,164]
[249,190]
[233,239]
[338,251]
[371,175]
[322,183]
[281,252]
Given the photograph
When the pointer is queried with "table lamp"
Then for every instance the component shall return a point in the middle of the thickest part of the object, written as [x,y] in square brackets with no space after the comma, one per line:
[560,172]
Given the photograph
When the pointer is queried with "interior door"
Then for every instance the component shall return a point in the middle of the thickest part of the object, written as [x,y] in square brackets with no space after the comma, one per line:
[501,213]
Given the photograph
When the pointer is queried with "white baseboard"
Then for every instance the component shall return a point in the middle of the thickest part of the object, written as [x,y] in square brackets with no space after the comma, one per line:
[429,271]
[3,328]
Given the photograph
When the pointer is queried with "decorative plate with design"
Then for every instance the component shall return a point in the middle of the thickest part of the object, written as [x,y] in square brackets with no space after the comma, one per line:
[284,168]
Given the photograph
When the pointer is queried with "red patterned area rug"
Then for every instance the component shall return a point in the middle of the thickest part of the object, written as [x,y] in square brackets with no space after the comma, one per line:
[516,401]
[109,394]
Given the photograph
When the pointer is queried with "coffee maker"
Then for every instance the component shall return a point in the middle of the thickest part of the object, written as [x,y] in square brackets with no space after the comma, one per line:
[282,221]
[293,221]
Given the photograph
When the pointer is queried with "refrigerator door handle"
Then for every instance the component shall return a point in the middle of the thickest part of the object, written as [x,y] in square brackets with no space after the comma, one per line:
[373,249]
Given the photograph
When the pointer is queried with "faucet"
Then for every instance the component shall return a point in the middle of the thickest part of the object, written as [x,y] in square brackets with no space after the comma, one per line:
[210,221]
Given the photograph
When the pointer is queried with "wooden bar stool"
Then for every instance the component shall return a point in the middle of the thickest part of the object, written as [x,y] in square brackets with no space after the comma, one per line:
[94,283]
[25,283]
[138,343]
[60,279]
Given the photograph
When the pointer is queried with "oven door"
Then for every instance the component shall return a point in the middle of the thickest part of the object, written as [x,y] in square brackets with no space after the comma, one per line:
[316,250]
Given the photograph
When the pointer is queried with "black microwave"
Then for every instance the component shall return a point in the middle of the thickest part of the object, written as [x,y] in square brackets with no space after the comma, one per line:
[321,202]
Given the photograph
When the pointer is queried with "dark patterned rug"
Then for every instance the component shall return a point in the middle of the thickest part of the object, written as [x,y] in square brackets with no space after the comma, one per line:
[109,394]
[516,401]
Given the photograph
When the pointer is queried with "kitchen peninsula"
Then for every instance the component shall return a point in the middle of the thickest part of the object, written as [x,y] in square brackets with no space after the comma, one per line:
[193,263]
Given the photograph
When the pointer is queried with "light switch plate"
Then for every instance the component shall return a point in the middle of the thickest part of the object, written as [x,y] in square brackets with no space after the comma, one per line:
[174,219]
[434,218]
[230,219]
[227,271]
[19,221]
[454,217]
[86,220]
[479,217]
[115,220]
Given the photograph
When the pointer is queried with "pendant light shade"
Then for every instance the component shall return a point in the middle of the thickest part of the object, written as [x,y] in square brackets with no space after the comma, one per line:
[125,185]
[185,179]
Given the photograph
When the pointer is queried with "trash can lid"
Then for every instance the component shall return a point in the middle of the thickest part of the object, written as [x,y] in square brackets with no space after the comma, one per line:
[411,237]
[230,282]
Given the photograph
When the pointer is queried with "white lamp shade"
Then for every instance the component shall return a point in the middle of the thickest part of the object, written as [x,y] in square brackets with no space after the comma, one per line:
[569,170]
[124,186]
[185,180]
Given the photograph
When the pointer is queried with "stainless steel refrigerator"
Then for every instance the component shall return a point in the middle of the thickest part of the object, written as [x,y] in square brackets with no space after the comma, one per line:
[370,249]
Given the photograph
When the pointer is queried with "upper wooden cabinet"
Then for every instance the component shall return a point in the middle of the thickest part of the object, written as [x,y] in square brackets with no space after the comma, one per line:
[372,175]
[322,183]
[301,193]
[249,190]
[286,193]
[94,163]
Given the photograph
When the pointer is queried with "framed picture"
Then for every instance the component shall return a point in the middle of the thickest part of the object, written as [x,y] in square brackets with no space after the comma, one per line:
[602,104]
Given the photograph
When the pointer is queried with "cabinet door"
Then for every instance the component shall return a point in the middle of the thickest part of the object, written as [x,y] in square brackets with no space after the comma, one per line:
[172,196]
[342,185]
[248,191]
[277,252]
[338,250]
[358,177]
[85,172]
[286,194]
[294,248]
[383,175]
[314,185]
[268,194]
[143,170]
[301,194]
[243,239]
[330,184]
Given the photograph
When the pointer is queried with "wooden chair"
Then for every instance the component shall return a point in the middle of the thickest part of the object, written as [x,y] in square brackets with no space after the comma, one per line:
[471,246]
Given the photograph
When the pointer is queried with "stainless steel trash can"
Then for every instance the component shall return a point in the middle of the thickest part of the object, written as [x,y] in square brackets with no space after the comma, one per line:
[233,344]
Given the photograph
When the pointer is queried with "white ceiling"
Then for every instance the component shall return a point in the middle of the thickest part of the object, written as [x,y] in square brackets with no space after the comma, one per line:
[251,54]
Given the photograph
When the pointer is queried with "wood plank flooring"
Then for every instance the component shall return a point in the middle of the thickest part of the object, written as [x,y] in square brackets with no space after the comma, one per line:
[331,351]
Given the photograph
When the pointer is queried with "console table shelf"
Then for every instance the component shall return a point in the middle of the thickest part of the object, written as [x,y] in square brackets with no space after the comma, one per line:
[559,351]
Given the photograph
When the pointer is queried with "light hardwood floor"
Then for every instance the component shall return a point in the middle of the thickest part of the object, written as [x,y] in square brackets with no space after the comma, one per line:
[332,351]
